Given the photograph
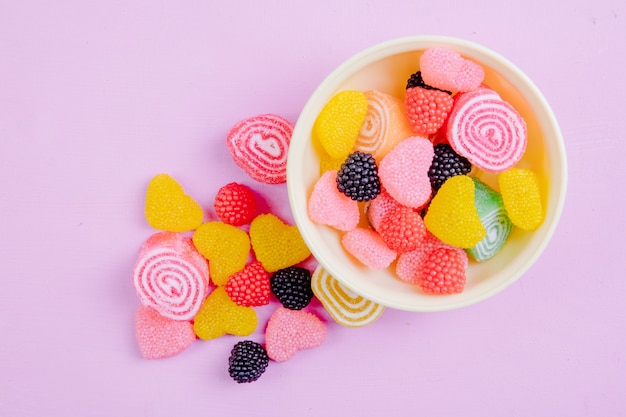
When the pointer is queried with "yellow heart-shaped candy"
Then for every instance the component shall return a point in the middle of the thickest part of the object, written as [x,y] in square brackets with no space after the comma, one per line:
[225,246]
[168,208]
[276,245]
[219,315]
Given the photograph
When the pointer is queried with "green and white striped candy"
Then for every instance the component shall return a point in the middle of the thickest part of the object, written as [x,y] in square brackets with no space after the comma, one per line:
[492,215]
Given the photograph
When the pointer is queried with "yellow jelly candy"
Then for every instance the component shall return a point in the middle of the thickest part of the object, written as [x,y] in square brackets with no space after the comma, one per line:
[452,215]
[522,200]
[168,208]
[329,164]
[219,315]
[338,124]
[226,247]
[276,244]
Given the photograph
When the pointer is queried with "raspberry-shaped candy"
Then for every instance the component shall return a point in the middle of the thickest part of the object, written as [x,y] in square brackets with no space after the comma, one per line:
[358,177]
[402,229]
[340,121]
[444,272]
[248,361]
[292,287]
[235,204]
[250,287]
[446,164]
[427,108]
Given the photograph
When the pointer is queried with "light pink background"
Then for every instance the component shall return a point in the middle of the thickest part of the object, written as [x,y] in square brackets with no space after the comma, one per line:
[97,97]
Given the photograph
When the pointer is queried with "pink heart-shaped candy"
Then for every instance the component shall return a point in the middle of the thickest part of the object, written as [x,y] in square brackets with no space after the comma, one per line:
[160,337]
[289,331]
[446,69]
[327,205]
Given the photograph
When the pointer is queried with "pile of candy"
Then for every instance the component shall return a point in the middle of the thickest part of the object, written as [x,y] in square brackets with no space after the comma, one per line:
[412,165]
[200,279]
[405,164]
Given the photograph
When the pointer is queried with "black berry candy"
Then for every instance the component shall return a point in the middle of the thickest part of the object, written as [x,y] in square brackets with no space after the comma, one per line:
[416,80]
[446,164]
[358,177]
[247,362]
[292,287]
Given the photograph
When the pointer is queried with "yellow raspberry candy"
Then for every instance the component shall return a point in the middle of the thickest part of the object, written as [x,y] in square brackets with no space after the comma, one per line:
[276,245]
[452,215]
[338,124]
[521,196]
[225,246]
[168,208]
[219,315]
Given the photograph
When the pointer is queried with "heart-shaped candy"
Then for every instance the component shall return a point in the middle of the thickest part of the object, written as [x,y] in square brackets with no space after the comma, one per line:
[327,205]
[289,331]
[159,337]
[447,70]
[169,208]
[404,171]
[219,315]
[225,246]
[276,245]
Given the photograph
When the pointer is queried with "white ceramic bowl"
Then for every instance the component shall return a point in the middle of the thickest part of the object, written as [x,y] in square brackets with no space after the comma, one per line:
[386,67]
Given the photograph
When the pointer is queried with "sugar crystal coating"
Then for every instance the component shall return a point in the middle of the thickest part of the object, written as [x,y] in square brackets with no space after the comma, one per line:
[410,265]
[276,245]
[427,109]
[249,287]
[452,215]
[402,229]
[168,208]
[225,246]
[522,197]
[160,337]
[338,124]
[368,247]
[379,207]
[219,315]
[446,69]
[290,331]
[444,272]
[404,171]
[327,205]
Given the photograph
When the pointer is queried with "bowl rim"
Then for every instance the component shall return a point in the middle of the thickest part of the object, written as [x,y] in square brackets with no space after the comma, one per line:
[468,49]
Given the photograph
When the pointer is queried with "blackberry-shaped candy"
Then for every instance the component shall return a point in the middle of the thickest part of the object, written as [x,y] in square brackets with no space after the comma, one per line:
[247,362]
[446,164]
[292,287]
[358,177]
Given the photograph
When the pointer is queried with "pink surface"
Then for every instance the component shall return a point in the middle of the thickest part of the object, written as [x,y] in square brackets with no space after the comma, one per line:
[97,97]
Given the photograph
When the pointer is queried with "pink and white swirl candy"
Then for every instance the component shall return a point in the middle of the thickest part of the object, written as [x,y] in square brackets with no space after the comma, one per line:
[487,130]
[259,146]
[171,276]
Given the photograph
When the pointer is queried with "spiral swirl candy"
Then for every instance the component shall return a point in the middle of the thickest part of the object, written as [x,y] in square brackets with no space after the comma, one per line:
[259,146]
[493,216]
[487,130]
[171,276]
[346,307]
[385,125]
